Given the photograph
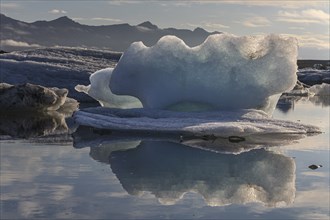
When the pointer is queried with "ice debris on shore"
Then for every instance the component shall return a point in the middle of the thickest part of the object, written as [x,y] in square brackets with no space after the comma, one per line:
[312,76]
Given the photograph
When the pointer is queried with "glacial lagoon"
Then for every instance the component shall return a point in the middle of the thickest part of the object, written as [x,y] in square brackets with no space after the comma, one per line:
[95,174]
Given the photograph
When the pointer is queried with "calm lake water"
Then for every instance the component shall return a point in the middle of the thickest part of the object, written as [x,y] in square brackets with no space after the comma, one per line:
[91,179]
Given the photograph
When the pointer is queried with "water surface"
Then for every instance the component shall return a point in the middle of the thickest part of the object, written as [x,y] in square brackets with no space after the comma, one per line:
[160,179]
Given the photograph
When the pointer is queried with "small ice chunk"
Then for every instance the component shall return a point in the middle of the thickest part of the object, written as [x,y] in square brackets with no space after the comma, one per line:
[99,90]
[320,90]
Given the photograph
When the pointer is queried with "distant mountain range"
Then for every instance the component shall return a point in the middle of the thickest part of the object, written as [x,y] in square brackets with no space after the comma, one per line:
[63,31]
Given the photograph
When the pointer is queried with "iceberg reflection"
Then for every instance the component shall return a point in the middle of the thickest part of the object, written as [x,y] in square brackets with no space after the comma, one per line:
[168,170]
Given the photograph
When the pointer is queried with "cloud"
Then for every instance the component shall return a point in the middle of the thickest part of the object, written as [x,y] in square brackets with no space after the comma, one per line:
[9,5]
[106,19]
[268,3]
[316,14]
[297,28]
[177,3]
[293,4]
[78,19]
[256,21]
[209,25]
[215,25]
[120,2]
[28,208]
[60,192]
[100,19]
[122,194]
[310,40]
[57,11]
[305,16]
[13,43]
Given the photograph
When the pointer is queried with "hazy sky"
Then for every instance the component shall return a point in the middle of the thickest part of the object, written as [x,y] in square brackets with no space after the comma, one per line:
[306,20]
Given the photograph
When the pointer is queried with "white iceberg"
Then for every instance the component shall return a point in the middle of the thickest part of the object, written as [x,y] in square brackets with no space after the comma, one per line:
[227,86]
[225,72]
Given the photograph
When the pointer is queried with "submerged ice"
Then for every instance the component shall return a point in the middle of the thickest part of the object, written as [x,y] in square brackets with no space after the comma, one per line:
[223,73]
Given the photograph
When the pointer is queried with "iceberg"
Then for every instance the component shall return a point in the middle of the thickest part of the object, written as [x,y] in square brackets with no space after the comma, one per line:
[227,86]
[225,72]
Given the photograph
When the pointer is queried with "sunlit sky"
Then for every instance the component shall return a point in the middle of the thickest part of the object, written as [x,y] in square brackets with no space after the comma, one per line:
[306,20]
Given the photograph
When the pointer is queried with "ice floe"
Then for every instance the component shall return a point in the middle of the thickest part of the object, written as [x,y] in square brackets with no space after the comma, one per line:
[217,123]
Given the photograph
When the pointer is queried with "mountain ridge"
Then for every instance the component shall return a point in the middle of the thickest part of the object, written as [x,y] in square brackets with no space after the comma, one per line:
[64,20]
[148,24]
[64,31]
